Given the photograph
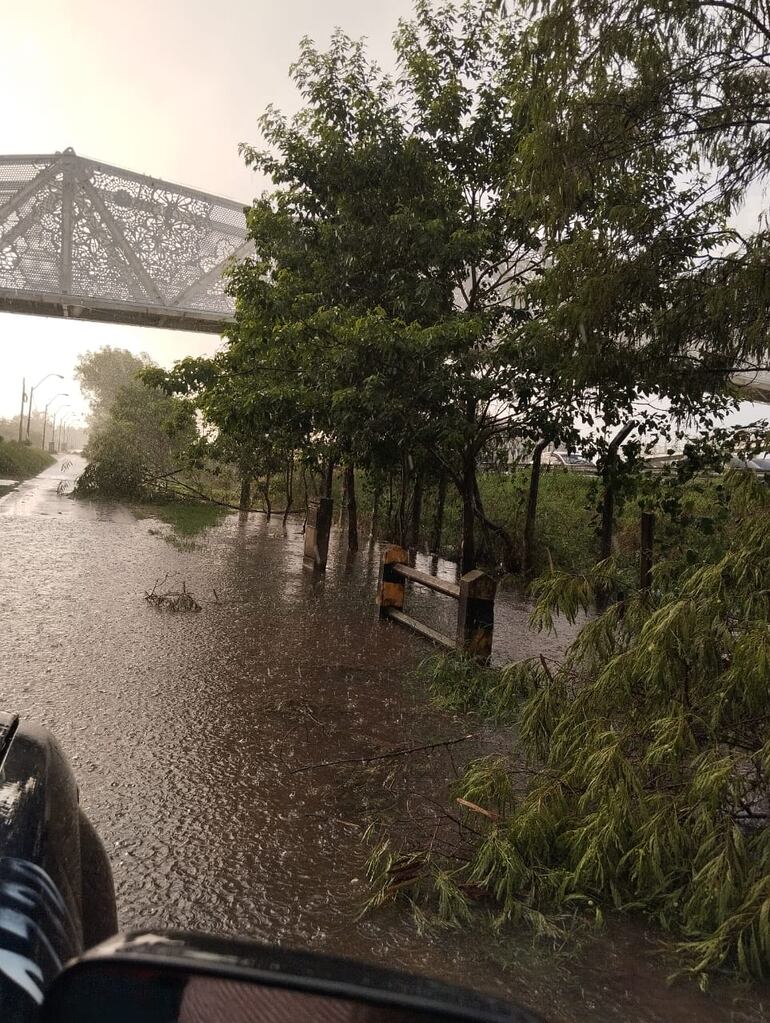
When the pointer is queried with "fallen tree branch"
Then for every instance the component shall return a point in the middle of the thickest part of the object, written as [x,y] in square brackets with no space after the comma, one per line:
[172,478]
[384,756]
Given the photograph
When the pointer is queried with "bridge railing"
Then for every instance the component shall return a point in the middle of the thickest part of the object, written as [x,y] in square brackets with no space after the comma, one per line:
[475,596]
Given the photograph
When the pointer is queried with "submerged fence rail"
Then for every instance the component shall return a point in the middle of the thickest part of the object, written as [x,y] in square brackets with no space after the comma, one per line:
[475,596]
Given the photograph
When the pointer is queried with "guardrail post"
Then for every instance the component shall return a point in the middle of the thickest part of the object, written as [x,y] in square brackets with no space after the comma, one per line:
[392,587]
[319,521]
[476,615]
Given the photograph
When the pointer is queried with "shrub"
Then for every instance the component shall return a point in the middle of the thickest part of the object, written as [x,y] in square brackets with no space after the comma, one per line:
[20,462]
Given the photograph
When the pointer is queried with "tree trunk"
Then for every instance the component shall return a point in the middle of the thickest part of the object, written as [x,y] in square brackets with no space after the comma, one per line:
[389,514]
[328,478]
[438,521]
[608,503]
[266,492]
[508,560]
[305,494]
[350,491]
[529,521]
[401,524]
[343,498]
[245,502]
[375,511]
[289,487]
[414,530]
[468,539]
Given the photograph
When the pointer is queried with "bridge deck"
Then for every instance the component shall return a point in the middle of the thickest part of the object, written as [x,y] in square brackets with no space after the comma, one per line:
[87,240]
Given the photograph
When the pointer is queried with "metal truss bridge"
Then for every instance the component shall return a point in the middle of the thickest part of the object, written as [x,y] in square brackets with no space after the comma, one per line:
[85,240]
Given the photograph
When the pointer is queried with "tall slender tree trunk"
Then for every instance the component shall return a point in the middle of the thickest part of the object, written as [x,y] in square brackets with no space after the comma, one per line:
[343,499]
[608,501]
[245,500]
[468,538]
[529,522]
[266,493]
[289,487]
[438,521]
[401,530]
[375,511]
[328,478]
[350,492]
[414,530]
[389,514]
[305,494]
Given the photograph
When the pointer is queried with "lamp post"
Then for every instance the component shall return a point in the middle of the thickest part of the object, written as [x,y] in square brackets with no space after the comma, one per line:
[61,394]
[53,425]
[23,399]
[32,391]
[64,425]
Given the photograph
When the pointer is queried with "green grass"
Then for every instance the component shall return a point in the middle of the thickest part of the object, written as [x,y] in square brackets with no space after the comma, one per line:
[187,519]
[21,462]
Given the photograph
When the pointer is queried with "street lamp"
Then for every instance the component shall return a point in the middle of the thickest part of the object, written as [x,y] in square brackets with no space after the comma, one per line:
[53,425]
[66,424]
[32,391]
[61,394]
[62,424]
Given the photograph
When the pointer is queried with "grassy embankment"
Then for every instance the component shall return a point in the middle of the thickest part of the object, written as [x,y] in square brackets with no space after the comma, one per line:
[20,461]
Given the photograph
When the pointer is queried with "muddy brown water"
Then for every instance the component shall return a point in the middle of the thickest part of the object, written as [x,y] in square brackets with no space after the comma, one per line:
[186,732]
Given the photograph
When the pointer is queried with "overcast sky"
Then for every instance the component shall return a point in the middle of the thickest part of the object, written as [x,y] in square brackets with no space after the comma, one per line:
[165,87]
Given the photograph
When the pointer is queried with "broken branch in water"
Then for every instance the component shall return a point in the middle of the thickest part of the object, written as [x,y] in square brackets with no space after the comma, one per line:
[171,600]
[385,756]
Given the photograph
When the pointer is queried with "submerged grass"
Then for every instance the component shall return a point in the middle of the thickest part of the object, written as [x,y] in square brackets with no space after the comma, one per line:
[187,519]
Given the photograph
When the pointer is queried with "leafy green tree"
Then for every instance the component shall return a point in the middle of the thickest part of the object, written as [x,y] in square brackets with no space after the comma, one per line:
[137,433]
[103,373]
[389,256]
[646,126]
[250,421]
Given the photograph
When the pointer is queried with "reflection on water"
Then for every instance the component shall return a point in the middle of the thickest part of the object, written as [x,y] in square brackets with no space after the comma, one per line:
[187,731]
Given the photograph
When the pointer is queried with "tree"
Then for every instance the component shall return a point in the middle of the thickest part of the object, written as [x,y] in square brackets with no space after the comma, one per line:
[103,373]
[389,256]
[646,125]
[246,422]
[137,433]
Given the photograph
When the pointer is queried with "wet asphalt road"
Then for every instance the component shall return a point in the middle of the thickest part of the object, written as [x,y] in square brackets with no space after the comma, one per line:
[189,735]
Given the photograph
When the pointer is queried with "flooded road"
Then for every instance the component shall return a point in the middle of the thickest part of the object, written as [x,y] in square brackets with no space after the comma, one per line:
[190,735]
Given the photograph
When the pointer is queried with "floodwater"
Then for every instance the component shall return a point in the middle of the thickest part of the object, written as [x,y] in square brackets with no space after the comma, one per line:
[192,737]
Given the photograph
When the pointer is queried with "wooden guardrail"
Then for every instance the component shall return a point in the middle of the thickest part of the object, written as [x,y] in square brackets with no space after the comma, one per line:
[475,596]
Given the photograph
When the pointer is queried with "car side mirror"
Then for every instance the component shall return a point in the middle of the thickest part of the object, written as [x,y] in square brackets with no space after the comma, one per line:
[181,978]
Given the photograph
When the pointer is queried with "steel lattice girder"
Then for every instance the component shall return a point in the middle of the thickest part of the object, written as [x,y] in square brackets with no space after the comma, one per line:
[86,240]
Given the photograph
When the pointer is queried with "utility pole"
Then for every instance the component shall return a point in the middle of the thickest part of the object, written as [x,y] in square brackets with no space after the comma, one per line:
[31,393]
[23,399]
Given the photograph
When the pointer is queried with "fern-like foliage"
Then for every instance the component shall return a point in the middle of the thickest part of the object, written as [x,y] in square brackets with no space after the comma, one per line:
[649,756]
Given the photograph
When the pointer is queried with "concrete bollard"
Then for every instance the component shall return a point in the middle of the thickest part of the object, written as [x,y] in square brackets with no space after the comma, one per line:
[319,523]
[476,615]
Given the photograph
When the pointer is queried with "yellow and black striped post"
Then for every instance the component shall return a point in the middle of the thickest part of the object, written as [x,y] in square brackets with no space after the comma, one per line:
[476,615]
[392,586]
